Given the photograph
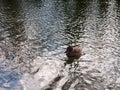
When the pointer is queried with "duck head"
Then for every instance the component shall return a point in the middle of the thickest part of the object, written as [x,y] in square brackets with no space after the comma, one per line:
[69,49]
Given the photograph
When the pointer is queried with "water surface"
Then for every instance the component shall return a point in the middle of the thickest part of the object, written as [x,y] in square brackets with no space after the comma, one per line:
[35,33]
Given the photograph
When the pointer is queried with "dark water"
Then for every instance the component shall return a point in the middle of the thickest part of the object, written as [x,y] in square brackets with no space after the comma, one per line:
[35,33]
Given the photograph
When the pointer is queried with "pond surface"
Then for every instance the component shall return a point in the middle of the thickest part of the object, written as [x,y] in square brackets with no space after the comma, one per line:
[34,35]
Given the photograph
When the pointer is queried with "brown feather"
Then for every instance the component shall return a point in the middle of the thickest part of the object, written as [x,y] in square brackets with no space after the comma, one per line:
[75,53]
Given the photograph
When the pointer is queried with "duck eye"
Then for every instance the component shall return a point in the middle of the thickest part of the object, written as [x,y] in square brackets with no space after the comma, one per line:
[70,48]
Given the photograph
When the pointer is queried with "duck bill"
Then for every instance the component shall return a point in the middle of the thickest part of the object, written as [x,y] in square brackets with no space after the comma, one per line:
[65,52]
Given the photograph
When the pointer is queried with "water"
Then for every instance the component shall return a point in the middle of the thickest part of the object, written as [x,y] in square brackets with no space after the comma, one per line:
[35,33]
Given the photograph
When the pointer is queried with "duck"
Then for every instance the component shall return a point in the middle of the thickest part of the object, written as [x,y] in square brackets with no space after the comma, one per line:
[73,53]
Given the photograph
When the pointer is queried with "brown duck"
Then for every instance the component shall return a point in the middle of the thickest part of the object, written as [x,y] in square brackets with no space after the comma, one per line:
[73,52]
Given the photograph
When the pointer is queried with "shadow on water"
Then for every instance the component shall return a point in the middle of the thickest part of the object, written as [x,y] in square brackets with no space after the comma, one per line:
[53,83]
[75,23]
[13,22]
[13,34]
[69,61]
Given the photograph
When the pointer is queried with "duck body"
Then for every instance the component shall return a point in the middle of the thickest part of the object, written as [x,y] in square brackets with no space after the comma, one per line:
[73,52]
